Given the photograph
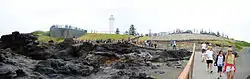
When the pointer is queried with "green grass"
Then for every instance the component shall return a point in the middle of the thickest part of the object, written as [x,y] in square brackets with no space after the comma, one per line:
[43,37]
[98,36]
[46,39]
[43,33]
[225,42]
[143,38]
[238,44]
[242,43]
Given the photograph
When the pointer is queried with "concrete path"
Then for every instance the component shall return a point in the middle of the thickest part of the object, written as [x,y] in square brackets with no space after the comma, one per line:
[200,69]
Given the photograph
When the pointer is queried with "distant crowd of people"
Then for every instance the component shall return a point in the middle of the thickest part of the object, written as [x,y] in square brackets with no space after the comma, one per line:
[146,43]
[95,41]
[105,41]
[154,44]
[224,63]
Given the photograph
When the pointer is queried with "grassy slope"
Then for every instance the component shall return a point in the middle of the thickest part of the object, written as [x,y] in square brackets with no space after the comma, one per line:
[45,39]
[216,40]
[243,43]
[97,36]
[43,36]
[143,38]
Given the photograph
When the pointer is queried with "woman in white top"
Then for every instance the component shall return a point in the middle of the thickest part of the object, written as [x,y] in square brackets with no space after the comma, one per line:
[209,55]
[219,62]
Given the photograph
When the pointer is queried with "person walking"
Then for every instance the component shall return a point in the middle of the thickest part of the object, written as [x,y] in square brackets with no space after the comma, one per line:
[233,50]
[203,50]
[219,62]
[174,45]
[155,44]
[229,67]
[209,59]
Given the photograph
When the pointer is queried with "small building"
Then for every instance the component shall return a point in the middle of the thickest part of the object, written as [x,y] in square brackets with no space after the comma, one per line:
[66,31]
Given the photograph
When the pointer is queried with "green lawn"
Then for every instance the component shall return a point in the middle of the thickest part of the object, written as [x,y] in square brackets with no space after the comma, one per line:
[238,44]
[98,36]
[143,38]
[43,36]
[45,39]
[221,42]
[242,43]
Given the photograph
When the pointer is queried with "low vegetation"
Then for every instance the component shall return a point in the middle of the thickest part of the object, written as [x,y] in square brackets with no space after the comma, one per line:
[144,38]
[243,43]
[43,36]
[99,36]
[222,42]
[238,44]
[46,39]
[43,33]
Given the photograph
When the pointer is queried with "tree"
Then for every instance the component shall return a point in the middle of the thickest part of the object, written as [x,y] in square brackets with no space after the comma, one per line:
[117,31]
[188,31]
[126,32]
[132,30]
[212,33]
[201,32]
[218,34]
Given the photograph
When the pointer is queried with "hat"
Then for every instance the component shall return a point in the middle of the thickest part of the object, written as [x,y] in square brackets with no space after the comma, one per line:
[209,47]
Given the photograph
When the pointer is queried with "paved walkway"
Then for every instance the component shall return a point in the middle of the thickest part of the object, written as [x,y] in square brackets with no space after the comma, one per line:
[199,70]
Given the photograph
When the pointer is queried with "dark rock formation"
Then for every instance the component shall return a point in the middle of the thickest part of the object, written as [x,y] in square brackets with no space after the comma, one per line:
[23,43]
[22,58]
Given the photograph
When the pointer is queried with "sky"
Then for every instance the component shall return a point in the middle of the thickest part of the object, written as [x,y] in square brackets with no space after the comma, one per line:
[232,17]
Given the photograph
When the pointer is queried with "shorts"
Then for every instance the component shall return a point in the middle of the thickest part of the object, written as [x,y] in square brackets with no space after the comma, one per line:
[219,69]
[174,45]
[229,68]
[209,61]
[203,50]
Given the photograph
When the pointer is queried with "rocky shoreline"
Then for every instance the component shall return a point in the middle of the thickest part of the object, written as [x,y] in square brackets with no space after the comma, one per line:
[23,57]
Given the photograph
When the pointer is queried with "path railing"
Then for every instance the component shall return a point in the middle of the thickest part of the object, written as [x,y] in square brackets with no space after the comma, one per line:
[188,70]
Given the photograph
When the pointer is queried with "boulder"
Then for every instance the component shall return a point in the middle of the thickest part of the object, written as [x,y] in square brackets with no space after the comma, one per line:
[23,43]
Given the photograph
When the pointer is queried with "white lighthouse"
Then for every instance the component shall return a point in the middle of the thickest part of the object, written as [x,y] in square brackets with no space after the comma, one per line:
[111,24]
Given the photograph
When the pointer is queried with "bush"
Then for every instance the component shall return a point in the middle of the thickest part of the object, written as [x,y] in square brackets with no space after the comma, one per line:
[98,36]
[44,33]
[46,39]
[144,38]
[243,43]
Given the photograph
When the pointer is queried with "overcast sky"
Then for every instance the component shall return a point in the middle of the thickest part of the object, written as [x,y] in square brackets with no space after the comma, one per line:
[229,16]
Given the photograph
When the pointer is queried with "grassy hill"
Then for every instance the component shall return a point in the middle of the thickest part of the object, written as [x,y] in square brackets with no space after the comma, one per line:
[46,39]
[204,38]
[186,37]
[43,36]
[98,36]
[144,38]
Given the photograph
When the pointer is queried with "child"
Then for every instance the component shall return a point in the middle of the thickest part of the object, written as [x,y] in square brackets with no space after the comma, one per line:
[219,62]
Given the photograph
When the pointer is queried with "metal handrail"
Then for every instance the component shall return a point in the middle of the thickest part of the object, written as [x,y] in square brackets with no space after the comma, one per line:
[188,70]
